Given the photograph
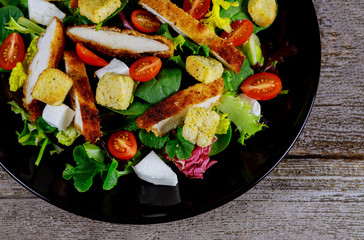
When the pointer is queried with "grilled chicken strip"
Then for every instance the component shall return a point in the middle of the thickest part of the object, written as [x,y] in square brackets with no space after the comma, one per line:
[49,51]
[188,26]
[82,99]
[121,43]
[171,112]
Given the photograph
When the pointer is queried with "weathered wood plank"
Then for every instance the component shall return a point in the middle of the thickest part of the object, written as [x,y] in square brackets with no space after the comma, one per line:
[283,215]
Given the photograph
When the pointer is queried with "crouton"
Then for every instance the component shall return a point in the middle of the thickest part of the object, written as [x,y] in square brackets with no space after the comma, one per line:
[263,12]
[204,69]
[200,126]
[114,91]
[52,86]
[98,10]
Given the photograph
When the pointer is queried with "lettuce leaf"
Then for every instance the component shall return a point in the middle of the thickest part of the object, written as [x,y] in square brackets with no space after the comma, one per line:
[233,81]
[166,83]
[239,113]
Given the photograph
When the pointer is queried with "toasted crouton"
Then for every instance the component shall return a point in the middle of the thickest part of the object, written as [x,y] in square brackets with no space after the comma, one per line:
[200,126]
[263,12]
[97,10]
[204,69]
[114,91]
[52,86]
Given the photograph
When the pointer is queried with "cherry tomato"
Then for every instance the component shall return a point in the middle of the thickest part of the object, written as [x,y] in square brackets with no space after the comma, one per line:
[145,69]
[144,21]
[242,30]
[196,8]
[122,145]
[89,57]
[11,51]
[262,86]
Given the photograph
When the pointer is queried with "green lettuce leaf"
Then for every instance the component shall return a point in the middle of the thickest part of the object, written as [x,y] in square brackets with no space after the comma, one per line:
[178,146]
[166,83]
[150,140]
[86,169]
[233,81]
[239,113]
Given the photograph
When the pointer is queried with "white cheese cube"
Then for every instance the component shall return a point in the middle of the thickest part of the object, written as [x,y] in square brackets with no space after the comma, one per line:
[256,109]
[152,169]
[59,116]
[42,12]
[115,66]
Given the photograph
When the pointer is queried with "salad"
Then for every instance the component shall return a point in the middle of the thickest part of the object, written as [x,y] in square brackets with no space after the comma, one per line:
[145,87]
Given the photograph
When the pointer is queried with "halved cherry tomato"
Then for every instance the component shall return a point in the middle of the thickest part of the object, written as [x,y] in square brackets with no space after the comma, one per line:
[196,8]
[145,69]
[89,57]
[262,86]
[144,21]
[122,145]
[11,51]
[242,30]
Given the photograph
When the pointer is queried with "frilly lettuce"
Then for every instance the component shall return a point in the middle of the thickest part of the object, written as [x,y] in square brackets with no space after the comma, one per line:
[32,49]
[224,124]
[68,136]
[239,113]
[213,18]
[17,77]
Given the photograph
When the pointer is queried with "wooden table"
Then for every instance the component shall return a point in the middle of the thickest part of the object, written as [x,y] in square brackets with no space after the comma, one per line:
[316,192]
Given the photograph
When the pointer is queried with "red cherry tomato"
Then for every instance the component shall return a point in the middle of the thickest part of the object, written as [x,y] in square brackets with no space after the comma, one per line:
[122,145]
[145,69]
[144,21]
[11,51]
[242,30]
[196,8]
[262,86]
[89,57]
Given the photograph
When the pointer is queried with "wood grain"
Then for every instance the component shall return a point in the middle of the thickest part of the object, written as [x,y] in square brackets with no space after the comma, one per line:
[316,192]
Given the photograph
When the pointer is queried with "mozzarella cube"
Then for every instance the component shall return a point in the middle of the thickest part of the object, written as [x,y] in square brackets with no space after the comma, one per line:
[59,116]
[42,12]
[256,109]
[152,169]
[115,66]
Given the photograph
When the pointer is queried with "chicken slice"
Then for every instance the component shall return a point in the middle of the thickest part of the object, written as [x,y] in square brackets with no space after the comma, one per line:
[188,26]
[49,51]
[171,112]
[121,43]
[82,99]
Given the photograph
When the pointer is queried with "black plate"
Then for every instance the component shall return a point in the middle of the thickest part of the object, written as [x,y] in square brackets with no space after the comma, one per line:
[238,168]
